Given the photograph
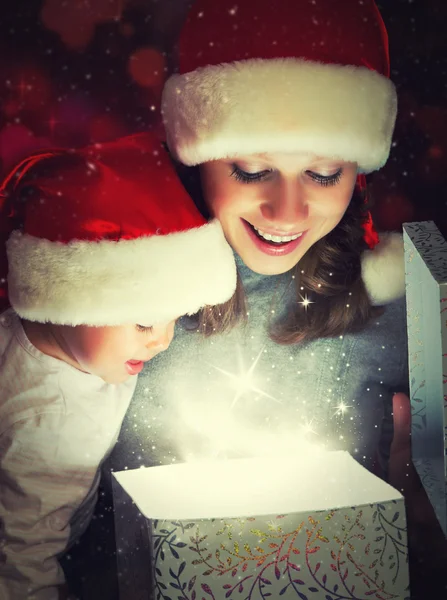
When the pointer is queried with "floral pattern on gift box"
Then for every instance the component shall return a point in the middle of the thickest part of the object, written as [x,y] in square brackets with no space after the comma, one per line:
[429,241]
[328,555]
[435,487]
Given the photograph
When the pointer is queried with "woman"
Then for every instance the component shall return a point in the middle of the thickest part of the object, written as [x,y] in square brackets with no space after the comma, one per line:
[278,112]
[284,108]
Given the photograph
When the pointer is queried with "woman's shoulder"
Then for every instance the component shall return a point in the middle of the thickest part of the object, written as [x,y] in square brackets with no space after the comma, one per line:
[383,269]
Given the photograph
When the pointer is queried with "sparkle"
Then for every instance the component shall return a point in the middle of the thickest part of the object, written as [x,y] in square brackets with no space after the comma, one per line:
[341,409]
[244,381]
[305,301]
[307,428]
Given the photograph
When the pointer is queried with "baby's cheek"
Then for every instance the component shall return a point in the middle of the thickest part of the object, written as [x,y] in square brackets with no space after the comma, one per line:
[94,356]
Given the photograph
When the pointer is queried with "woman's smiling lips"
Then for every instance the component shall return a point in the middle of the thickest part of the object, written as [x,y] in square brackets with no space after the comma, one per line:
[273,247]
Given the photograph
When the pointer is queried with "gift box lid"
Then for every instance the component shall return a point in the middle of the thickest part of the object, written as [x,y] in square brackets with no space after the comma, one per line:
[230,488]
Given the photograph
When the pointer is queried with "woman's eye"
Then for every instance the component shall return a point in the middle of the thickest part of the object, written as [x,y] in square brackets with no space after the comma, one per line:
[143,329]
[325,180]
[245,177]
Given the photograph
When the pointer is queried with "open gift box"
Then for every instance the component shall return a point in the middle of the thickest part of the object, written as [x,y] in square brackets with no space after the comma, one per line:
[426,293]
[320,526]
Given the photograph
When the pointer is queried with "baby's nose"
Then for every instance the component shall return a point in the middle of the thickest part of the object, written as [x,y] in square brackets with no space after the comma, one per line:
[165,337]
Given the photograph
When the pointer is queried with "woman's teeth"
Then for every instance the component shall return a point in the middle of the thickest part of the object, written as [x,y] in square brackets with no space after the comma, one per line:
[279,239]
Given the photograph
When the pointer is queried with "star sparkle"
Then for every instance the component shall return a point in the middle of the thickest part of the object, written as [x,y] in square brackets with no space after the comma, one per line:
[341,409]
[308,428]
[305,301]
[244,382]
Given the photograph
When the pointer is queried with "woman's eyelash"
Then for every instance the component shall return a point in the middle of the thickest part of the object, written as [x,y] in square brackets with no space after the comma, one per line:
[325,180]
[142,328]
[245,177]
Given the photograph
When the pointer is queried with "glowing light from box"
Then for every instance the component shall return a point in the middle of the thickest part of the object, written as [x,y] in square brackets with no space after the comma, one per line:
[307,428]
[232,414]
[233,438]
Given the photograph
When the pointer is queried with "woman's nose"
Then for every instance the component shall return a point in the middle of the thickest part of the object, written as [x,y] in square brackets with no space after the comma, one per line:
[285,204]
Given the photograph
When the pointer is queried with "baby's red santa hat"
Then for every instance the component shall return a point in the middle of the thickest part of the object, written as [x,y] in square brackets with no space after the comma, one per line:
[107,235]
[282,76]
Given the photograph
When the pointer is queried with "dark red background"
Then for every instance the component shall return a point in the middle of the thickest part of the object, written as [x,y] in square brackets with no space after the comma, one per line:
[75,72]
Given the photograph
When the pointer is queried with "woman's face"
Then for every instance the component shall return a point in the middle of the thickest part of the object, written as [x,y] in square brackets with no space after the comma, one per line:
[274,207]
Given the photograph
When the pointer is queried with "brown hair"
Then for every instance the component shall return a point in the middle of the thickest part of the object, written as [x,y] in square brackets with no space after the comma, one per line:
[329,275]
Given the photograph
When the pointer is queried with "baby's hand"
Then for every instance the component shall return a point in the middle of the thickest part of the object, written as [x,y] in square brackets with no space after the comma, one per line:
[402,474]
[400,457]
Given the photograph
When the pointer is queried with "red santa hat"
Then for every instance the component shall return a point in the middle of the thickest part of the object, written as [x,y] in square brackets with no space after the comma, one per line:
[108,235]
[282,76]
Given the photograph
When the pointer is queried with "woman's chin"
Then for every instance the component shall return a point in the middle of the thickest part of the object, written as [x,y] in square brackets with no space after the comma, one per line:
[268,265]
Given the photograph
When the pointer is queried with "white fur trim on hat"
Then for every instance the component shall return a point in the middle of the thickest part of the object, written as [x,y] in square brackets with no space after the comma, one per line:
[145,281]
[280,105]
[383,269]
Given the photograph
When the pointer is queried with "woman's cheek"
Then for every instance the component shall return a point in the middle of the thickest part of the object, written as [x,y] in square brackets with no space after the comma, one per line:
[217,205]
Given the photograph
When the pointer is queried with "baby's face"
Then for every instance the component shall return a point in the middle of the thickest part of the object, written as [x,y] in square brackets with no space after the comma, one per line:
[114,353]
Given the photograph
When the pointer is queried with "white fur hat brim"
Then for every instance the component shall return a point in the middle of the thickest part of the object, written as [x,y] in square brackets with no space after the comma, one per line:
[383,269]
[144,281]
[280,105]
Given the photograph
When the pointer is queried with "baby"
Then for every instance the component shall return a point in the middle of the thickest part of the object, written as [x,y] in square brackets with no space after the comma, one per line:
[104,251]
